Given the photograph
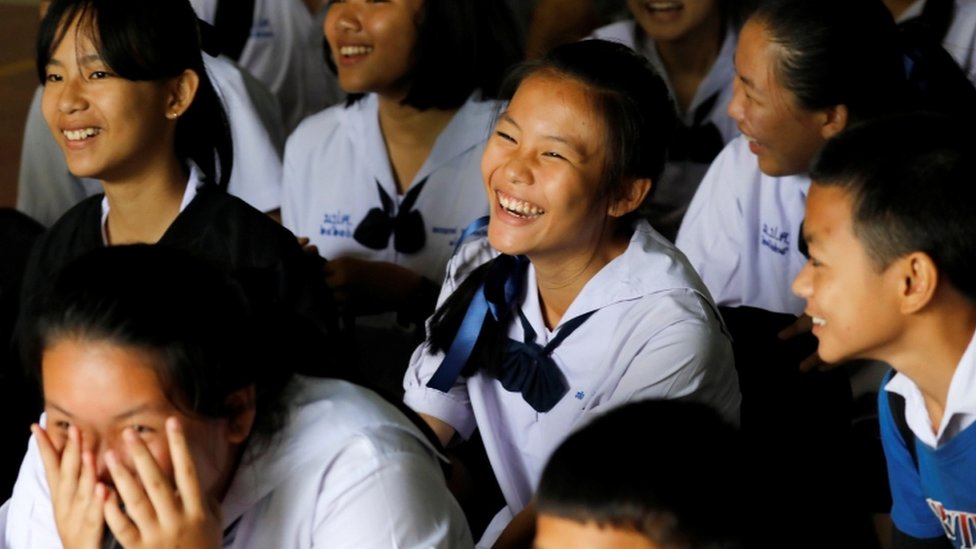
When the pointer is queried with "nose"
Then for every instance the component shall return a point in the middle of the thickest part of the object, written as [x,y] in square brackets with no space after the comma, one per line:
[99,446]
[803,283]
[342,18]
[71,96]
[735,109]
[518,168]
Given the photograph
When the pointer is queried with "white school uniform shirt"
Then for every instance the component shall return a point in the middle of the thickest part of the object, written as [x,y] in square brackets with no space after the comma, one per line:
[741,232]
[46,189]
[960,406]
[285,51]
[347,470]
[680,179]
[655,334]
[960,38]
[336,158]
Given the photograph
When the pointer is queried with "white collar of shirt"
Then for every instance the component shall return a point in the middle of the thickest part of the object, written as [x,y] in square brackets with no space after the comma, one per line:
[188,194]
[960,408]
[468,128]
[650,264]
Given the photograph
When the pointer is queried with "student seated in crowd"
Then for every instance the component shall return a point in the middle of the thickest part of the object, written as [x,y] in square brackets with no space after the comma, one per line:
[691,44]
[46,188]
[678,485]
[129,102]
[571,305]
[889,221]
[169,421]
[383,185]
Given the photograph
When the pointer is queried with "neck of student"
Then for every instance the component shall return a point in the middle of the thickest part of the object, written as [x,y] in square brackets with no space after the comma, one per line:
[141,208]
[689,59]
[409,135]
[930,356]
[898,7]
[562,276]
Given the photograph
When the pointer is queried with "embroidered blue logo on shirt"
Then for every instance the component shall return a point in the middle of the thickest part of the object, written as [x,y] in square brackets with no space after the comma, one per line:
[580,395]
[336,224]
[775,239]
[262,29]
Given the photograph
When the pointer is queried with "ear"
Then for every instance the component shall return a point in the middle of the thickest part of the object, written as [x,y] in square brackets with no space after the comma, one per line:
[240,421]
[183,89]
[919,279]
[834,120]
[632,198]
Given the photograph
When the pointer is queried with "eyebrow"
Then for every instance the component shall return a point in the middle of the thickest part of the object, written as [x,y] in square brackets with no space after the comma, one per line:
[559,139]
[142,408]
[82,61]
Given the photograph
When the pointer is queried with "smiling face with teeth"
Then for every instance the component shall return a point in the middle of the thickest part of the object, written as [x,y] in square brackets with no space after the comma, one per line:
[108,127]
[372,44]
[851,300]
[668,20]
[543,171]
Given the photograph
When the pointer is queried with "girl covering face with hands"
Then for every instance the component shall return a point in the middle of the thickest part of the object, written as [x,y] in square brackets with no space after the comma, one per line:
[164,427]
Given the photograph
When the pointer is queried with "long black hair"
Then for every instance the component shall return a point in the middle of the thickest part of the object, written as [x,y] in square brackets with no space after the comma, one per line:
[150,40]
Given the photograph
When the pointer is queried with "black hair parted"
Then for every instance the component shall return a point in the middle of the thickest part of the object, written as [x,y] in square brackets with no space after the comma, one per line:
[150,41]
[679,481]
[463,46]
[181,309]
[912,182]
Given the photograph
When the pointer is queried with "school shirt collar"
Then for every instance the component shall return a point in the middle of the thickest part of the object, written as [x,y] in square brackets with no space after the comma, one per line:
[650,264]
[960,408]
[468,128]
[188,194]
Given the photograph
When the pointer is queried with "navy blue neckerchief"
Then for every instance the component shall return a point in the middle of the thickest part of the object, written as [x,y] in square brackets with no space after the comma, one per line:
[406,227]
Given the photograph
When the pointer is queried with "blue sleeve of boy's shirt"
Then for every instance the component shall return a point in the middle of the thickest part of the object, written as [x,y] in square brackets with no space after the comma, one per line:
[909,511]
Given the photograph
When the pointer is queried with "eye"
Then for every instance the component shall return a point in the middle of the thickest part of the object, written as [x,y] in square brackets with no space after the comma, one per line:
[62,425]
[142,429]
[553,154]
[53,78]
[505,136]
[99,75]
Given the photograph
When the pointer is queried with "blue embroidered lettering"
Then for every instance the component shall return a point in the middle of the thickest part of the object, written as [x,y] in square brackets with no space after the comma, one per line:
[775,239]
[336,224]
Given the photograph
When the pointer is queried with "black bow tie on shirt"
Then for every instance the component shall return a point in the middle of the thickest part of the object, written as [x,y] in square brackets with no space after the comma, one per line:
[406,227]
[701,142]
[528,368]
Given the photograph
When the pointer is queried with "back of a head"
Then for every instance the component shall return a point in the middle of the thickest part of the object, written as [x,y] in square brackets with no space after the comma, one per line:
[837,52]
[667,469]
[150,40]
[632,97]
[912,182]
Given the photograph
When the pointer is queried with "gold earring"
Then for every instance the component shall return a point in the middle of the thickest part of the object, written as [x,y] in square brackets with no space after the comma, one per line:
[172,115]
